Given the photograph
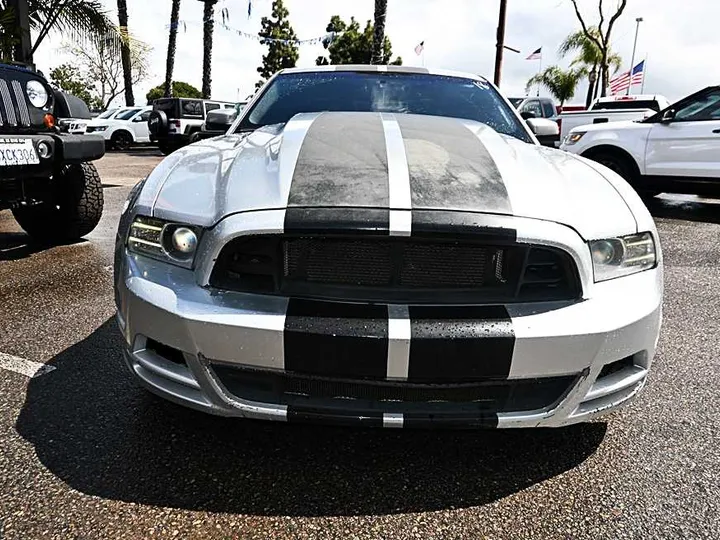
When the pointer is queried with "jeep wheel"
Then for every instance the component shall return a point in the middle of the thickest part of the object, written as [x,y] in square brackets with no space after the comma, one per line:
[73,210]
[121,140]
[166,148]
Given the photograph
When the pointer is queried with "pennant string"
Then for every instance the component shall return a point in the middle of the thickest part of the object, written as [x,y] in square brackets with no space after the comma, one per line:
[326,39]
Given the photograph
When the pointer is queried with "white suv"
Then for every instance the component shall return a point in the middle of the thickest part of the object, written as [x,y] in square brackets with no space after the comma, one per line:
[677,150]
[123,128]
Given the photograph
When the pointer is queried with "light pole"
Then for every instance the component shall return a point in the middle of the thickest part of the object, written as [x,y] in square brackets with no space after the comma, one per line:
[632,60]
[500,42]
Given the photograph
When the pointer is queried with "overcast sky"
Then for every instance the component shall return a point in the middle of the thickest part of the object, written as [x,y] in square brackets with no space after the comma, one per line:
[680,39]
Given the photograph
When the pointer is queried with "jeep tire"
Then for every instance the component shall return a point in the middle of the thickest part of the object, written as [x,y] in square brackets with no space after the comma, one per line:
[73,208]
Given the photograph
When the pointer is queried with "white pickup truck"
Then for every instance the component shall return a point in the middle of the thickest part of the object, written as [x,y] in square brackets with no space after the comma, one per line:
[612,109]
[676,150]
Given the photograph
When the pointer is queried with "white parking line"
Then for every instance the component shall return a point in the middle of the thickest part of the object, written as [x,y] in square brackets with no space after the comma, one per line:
[22,366]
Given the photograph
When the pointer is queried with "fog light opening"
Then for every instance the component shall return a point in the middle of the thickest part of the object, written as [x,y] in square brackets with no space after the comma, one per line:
[44,150]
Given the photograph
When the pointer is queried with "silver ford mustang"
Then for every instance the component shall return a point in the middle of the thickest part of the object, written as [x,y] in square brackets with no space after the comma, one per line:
[387,246]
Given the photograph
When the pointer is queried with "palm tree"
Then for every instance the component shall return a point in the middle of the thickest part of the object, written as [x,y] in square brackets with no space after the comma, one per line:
[561,84]
[125,51]
[76,19]
[172,41]
[208,22]
[588,59]
[379,36]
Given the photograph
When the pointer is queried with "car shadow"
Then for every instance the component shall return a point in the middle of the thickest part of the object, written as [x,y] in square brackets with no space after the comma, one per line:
[684,208]
[15,246]
[94,428]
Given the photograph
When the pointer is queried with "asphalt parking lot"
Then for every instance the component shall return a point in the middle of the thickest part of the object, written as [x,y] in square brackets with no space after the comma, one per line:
[87,454]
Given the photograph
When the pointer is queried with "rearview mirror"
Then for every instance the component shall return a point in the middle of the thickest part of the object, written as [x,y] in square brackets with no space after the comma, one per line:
[527,115]
[542,127]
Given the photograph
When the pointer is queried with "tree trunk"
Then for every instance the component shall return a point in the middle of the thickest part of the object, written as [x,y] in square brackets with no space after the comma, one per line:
[125,52]
[208,22]
[604,72]
[170,64]
[592,84]
[379,36]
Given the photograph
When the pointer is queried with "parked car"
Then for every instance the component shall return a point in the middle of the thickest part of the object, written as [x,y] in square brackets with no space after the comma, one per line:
[174,120]
[217,122]
[538,107]
[388,248]
[47,177]
[675,150]
[77,124]
[612,109]
[124,128]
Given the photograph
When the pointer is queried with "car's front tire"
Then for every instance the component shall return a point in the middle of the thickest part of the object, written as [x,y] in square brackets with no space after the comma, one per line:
[72,210]
[623,166]
[121,140]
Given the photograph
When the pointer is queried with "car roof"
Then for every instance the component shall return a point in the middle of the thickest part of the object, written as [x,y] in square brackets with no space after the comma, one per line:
[374,68]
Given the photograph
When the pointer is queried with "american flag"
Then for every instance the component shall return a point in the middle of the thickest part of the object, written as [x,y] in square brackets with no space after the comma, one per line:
[623,81]
[535,55]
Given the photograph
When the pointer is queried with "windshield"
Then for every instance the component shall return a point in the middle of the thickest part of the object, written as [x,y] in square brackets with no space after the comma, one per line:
[436,95]
[106,114]
[626,104]
[516,101]
[127,114]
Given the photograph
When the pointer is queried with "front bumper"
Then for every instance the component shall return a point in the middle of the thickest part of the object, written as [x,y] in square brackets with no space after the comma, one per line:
[204,333]
[64,148]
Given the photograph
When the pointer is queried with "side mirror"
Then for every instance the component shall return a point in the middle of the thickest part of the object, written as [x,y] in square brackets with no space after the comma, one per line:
[527,115]
[668,116]
[542,127]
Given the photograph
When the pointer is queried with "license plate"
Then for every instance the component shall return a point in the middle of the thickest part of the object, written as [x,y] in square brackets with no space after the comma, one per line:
[17,152]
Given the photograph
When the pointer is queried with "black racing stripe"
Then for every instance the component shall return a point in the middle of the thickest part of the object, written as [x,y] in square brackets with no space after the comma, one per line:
[429,223]
[479,419]
[450,168]
[342,162]
[460,343]
[299,413]
[336,339]
[346,220]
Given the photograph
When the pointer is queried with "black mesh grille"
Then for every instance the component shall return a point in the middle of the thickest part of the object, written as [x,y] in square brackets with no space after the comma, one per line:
[394,269]
[378,263]
[295,388]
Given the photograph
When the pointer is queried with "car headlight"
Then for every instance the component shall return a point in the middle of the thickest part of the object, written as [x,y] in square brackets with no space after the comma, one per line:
[171,242]
[37,93]
[622,256]
[100,128]
[574,137]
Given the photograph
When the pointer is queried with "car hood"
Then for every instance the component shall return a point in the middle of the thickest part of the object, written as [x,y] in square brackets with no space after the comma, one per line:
[373,160]
[619,125]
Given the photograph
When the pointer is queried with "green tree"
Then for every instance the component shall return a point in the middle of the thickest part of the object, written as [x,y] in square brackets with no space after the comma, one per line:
[8,36]
[352,46]
[601,38]
[77,20]
[172,47]
[560,83]
[588,58]
[379,31]
[179,89]
[68,78]
[280,55]
[125,52]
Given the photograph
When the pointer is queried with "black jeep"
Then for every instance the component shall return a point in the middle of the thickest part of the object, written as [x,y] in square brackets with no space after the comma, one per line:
[46,179]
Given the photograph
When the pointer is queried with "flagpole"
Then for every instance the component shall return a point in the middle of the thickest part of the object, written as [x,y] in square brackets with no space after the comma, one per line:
[642,88]
[539,71]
